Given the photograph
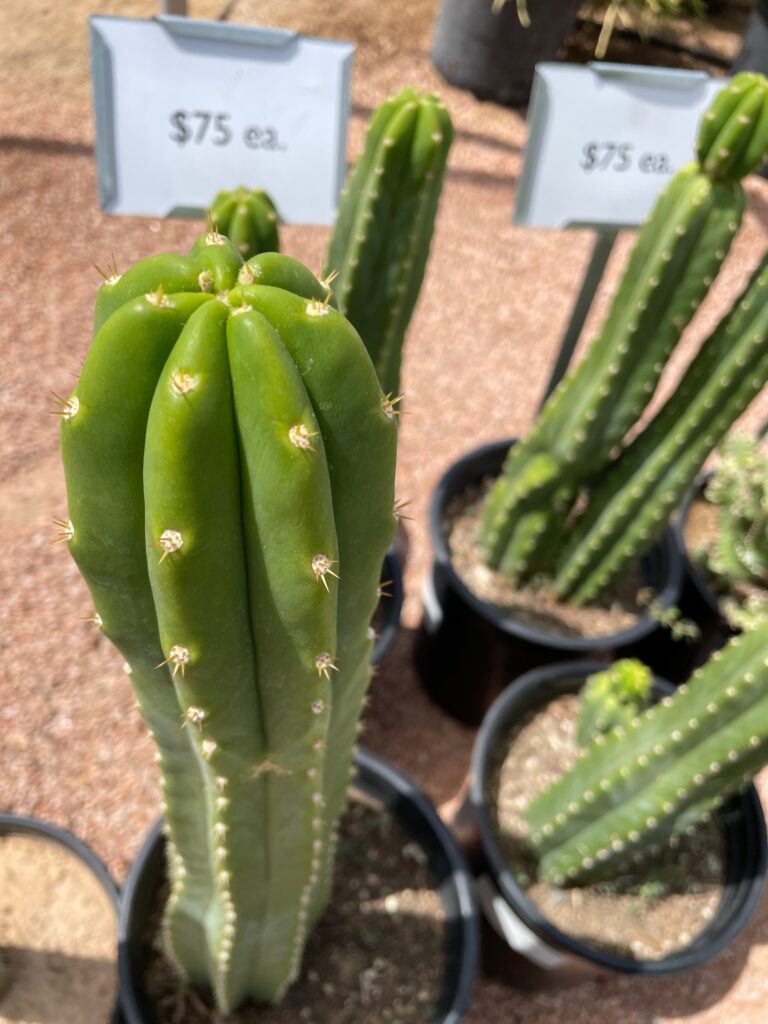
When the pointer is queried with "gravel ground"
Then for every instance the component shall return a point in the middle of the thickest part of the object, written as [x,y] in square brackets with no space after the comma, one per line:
[494,305]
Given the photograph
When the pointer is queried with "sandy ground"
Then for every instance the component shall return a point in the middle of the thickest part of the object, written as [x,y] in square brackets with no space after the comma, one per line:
[494,305]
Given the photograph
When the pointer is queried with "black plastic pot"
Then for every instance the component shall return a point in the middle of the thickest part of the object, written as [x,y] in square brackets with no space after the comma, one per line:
[11,824]
[537,954]
[379,781]
[467,651]
[491,54]
[391,604]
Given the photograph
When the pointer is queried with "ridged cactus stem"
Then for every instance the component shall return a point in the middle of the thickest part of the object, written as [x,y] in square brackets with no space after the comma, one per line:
[229,461]
[628,509]
[669,768]
[674,261]
[383,231]
[249,219]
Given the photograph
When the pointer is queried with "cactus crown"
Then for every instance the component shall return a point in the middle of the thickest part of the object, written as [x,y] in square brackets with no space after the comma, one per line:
[657,776]
[249,219]
[575,501]
[383,232]
[229,466]
[732,137]
[613,697]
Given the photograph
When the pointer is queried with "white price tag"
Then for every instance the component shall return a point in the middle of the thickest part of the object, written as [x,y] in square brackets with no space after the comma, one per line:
[604,139]
[185,108]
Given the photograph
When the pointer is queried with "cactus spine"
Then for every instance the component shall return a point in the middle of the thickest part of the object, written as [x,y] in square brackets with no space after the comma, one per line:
[249,219]
[613,697]
[660,775]
[674,261]
[386,217]
[229,460]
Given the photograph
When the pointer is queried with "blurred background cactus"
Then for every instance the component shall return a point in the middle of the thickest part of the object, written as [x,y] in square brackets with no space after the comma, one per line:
[613,697]
[657,776]
[574,502]
[380,243]
[738,556]
[249,219]
[229,460]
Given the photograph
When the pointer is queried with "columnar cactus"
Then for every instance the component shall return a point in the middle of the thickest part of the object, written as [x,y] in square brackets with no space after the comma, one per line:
[229,459]
[675,259]
[655,778]
[383,231]
[613,697]
[630,505]
[249,219]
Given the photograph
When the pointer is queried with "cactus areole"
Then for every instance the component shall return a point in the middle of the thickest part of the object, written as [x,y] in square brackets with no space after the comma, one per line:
[229,462]
[528,520]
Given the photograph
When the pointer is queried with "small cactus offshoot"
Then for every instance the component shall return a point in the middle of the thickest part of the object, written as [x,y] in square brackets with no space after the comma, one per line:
[574,501]
[249,219]
[656,777]
[229,453]
[613,697]
[386,217]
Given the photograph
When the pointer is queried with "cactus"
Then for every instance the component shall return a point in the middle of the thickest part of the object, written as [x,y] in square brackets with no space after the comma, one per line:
[229,460]
[383,231]
[631,504]
[249,219]
[738,559]
[670,768]
[674,261]
[613,697]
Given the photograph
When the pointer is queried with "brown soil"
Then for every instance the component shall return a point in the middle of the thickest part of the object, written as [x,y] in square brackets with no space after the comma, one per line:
[534,604]
[375,956]
[647,913]
[57,936]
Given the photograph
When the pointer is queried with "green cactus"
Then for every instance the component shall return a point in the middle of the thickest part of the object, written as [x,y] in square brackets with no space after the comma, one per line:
[229,460]
[613,697]
[675,259]
[249,219]
[629,507]
[655,778]
[383,231]
[738,559]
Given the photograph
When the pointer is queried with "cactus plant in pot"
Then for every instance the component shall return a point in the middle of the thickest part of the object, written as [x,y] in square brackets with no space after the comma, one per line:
[632,844]
[585,495]
[229,460]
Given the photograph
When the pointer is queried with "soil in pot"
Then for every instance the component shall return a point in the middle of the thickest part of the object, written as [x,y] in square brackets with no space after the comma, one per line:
[57,936]
[533,604]
[376,956]
[656,909]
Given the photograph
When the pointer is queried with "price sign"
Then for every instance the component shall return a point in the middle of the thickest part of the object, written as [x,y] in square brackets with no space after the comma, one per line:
[186,108]
[604,139]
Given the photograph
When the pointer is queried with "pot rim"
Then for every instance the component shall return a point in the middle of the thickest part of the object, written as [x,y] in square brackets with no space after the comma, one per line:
[447,487]
[398,793]
[744,882]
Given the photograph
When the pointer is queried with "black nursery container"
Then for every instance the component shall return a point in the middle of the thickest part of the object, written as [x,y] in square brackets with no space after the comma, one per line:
[377,780]
[698,600]
[534,953]
[11,824]
[467,650]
